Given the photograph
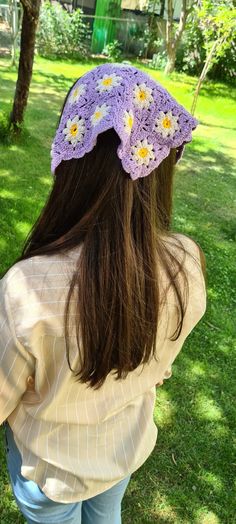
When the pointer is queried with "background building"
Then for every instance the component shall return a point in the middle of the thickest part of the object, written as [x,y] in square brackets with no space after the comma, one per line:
[123,20]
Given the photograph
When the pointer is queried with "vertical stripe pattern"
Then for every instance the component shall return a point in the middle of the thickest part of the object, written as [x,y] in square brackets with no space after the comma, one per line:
[75,442]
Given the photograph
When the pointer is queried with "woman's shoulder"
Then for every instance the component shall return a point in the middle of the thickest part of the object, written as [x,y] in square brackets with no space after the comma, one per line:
[192,247]
[192,260]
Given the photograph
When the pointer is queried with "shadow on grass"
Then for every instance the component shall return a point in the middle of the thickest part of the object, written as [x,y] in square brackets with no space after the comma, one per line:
[62,82]
[210,89]
[207,124]
[56,81]
[205,187]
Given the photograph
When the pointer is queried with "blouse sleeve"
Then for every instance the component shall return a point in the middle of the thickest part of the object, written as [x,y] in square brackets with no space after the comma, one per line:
[16,363]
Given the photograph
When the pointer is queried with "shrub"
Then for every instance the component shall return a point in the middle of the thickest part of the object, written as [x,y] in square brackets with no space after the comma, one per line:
[149,40]
[113,51]
[159,60]
[62,34]
[225,68]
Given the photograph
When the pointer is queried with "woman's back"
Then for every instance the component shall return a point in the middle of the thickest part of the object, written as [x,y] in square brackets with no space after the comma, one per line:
[110,432]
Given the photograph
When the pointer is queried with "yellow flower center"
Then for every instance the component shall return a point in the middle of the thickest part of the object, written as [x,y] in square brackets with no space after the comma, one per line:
[142,95]
[107,81]
[142,152]
[74,129]
[97,114]
[130,121]
[166,122]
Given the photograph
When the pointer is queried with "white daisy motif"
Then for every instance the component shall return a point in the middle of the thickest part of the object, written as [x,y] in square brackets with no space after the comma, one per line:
[166,124]
[99,113]
[74,130]
[128,119]
[107,82]
[76,93]
[142,95]
[143,152]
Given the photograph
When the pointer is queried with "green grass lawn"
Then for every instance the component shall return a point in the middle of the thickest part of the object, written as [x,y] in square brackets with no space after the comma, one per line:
[190,476]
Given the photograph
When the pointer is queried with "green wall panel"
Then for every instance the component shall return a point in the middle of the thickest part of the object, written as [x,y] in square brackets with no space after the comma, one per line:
[104,31]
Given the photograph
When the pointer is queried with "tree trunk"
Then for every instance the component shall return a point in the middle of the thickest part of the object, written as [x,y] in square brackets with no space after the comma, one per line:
[172,41]
[170,61]
[162,10]
[169,37]
[28,35]
[203,74]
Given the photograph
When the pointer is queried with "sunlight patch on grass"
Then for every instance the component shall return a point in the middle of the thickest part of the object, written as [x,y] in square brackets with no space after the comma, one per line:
[220,431]
[212,293]
[165,510]
[3,243]
[15,147]
[212,479]
[22,227]
[207,518]
[164,409]
[206,408]
[7,74]
[193,195]
[198,369]
[4,172]
[225,348]
[191,229]
[184,222]
[48,181]
[38,89]
[6,194]
[210,160]
[63,70]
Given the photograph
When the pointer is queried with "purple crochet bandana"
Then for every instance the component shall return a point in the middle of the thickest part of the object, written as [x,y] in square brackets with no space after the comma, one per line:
[148,120]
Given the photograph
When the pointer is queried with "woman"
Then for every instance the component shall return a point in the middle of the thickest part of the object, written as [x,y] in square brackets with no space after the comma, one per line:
[95,311]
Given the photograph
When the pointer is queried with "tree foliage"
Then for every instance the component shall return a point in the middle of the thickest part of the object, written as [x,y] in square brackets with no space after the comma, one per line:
[217,20]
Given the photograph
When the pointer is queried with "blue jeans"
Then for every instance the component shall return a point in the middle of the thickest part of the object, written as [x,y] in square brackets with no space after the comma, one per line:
[104,508]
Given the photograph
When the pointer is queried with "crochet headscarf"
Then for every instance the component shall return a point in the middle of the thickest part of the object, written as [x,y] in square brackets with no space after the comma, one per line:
[147,119]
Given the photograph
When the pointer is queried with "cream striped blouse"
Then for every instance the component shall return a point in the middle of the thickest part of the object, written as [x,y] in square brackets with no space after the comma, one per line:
[76,442]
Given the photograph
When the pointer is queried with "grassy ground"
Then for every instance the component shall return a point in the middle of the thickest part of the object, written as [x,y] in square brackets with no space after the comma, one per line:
[190,476]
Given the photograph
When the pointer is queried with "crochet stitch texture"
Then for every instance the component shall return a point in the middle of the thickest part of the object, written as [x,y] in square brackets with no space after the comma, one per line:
[148,120]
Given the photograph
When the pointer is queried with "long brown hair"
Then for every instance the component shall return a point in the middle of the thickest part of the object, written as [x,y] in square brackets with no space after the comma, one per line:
[120,225]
